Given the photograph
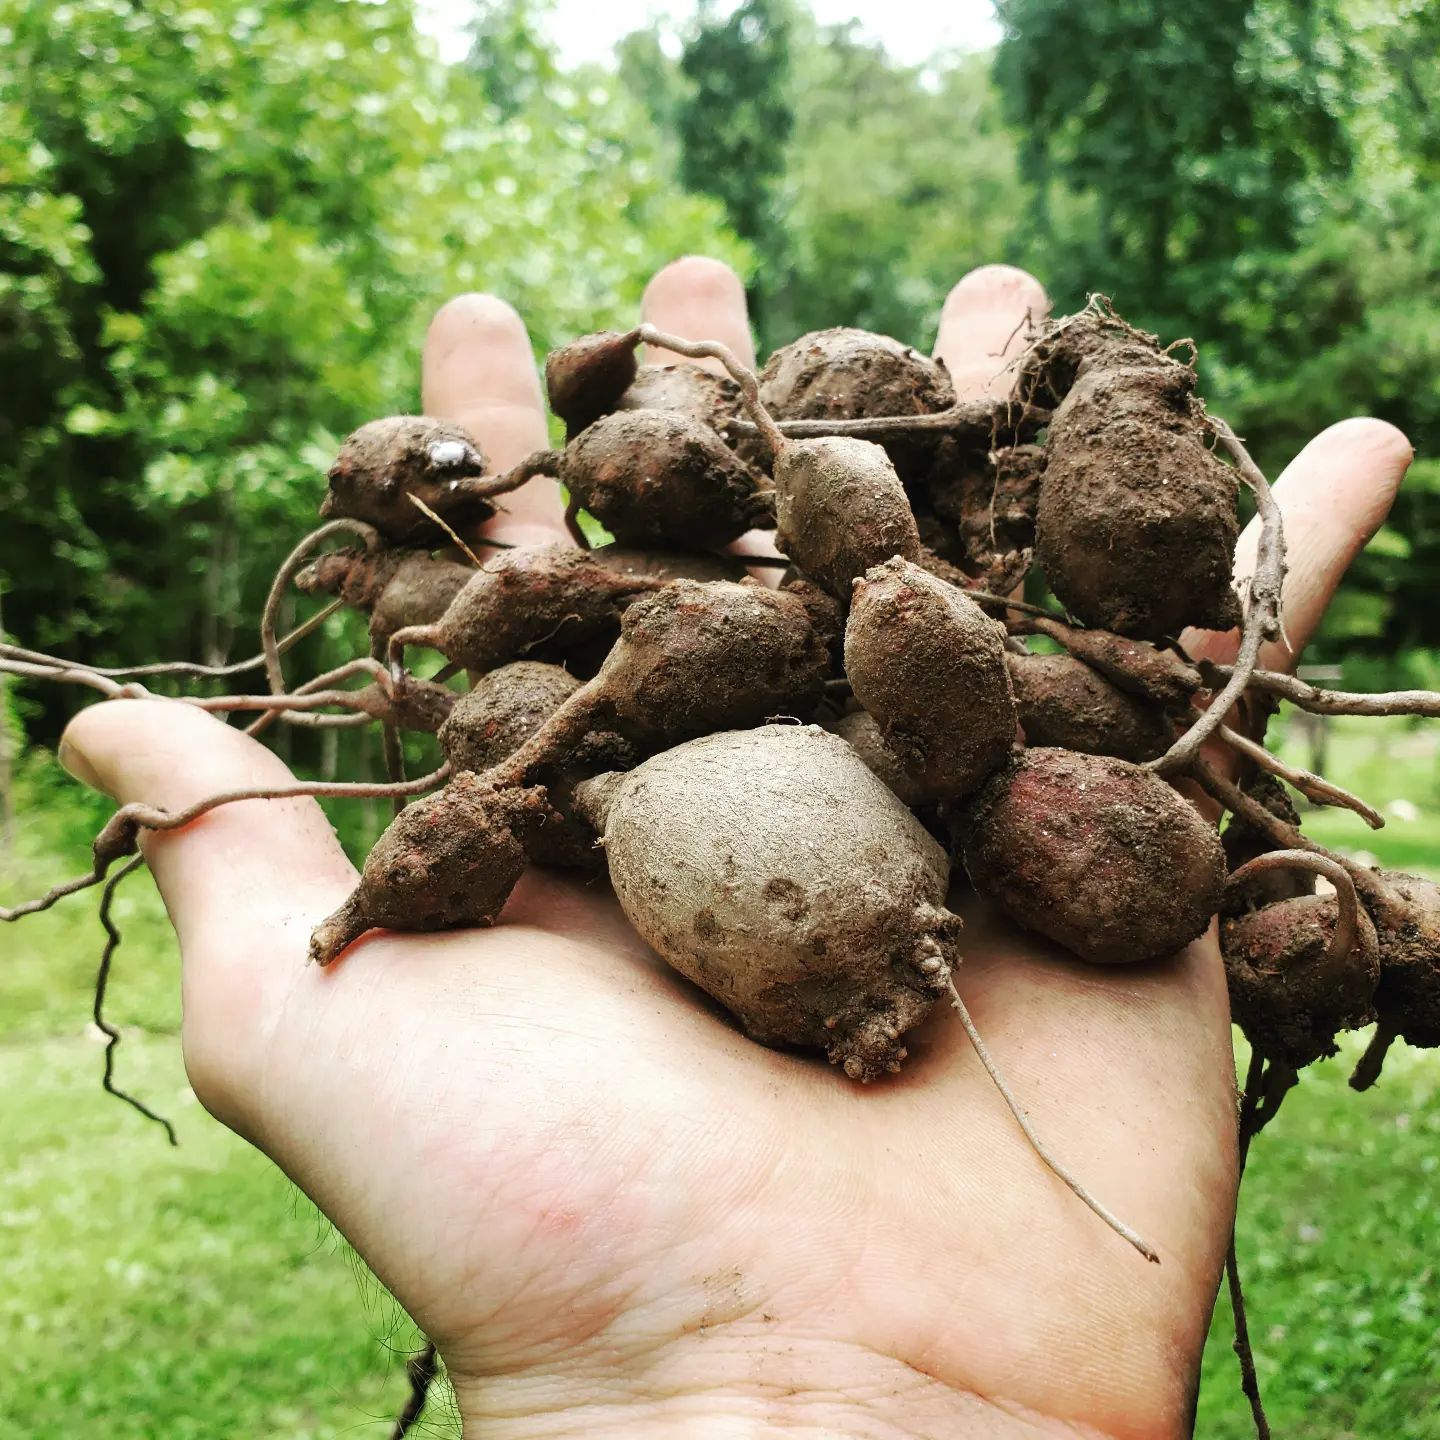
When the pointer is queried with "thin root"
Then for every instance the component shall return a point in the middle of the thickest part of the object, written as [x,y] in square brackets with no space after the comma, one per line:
[178,667]
[1333,702]
[120,833]
[102,981]
[269,646]
[1372,1062]
[1315,788]
[1081,1193]
[1262,615]
[420,1371]
[763,422]
[1347,920]
[978,418]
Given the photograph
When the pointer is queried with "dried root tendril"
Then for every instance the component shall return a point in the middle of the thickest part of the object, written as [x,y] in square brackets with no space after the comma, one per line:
[178,667]
[102,981]
[981,419]
[420,1370]
[289,568]
[1038,1145]
[1332,702]
[1262,615]
[1313,787]
[763,422]
[1370,1064]
[120,834]
[1249,1380]
[1347,921]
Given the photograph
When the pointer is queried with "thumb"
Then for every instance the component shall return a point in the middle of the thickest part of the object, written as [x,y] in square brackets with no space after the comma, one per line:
[242,882]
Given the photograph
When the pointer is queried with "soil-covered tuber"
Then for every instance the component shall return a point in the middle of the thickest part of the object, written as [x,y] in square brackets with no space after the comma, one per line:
[507,707]
[847,374]
[382,464]
[395,587]
[1065,703]
[657,478]
[542,601]
[1098,854]
[929,665]
[840,509]
[586,378]
[1288,991]
[756,899]
[448,860]
[1137,521]
[685,389]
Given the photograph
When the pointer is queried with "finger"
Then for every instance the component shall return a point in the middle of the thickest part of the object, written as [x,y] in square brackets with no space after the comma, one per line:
[243,883]
[698,298]
[479,371]
[985,325]
[1333,497]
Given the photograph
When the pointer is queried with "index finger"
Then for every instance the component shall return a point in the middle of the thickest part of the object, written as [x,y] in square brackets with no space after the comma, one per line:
[478,370]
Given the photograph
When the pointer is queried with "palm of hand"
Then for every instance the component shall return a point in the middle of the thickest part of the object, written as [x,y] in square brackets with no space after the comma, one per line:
[605,1205]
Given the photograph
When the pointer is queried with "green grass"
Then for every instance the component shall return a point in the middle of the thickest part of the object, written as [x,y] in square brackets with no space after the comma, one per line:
[151,1292]
[154,1292]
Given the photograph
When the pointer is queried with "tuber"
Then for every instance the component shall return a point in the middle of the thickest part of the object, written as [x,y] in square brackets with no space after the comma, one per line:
[1098,854]
[653,477]
[929,665]
[759,905]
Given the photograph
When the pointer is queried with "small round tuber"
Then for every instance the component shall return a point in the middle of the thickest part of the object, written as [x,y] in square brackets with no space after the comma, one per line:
[382,464]
[1064,703]
[586,378]
[1288,992]
[1098,854]
[656,478]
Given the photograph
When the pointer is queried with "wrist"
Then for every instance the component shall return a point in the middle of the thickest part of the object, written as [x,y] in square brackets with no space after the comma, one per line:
[751,1387]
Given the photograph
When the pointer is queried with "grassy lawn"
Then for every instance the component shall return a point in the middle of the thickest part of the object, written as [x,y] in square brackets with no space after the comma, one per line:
[152,1292]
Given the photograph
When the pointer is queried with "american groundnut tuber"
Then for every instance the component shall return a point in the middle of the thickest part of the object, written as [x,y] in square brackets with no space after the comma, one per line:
[758,904]
[1098,854]
[929,665]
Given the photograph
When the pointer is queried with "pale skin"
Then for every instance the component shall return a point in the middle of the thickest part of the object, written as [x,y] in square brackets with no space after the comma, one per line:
[614,1214]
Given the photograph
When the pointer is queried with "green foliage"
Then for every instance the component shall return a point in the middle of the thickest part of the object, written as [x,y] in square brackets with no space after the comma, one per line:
[737,115]
[223,226]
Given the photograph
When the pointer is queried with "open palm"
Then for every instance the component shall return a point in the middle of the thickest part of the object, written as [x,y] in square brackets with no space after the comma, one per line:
[614,1214]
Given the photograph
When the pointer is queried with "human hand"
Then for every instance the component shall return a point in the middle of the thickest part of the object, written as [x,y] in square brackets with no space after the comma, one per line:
[613,1213]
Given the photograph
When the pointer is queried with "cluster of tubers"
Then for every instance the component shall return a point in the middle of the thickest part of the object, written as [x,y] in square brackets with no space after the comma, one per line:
[786,781]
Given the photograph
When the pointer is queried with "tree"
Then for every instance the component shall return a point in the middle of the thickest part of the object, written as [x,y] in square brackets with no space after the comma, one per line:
[734,120]
[218,251]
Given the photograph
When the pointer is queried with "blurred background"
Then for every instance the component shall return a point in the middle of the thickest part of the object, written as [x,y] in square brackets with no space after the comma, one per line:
[223,227]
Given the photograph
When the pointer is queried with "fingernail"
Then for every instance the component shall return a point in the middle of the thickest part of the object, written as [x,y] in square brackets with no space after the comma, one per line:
[74,762]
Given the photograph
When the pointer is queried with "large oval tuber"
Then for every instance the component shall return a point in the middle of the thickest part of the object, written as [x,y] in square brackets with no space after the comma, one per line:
[799,892]
[929,665]
[1099,854]
[1137,521]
